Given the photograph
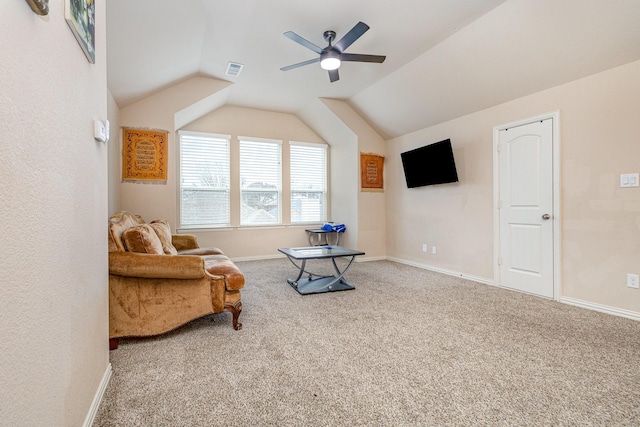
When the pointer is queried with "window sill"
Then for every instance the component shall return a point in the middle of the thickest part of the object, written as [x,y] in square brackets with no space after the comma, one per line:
[248,227]
[203,229]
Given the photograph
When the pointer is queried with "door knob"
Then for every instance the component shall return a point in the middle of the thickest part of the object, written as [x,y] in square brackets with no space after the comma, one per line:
[546,217]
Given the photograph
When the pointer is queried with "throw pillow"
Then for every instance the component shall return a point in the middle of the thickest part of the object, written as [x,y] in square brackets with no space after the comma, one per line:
[162,229]
[142,238]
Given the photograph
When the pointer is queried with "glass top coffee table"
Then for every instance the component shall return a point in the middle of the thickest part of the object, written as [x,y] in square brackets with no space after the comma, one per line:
[315,283]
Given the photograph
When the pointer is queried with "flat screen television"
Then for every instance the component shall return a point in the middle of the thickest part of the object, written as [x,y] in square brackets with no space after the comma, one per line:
[429,165]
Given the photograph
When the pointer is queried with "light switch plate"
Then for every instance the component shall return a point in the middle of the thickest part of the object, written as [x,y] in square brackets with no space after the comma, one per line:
[628,180]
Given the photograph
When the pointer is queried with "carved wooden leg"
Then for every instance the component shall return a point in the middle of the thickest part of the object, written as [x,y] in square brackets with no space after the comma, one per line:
[113,343]
[235,311]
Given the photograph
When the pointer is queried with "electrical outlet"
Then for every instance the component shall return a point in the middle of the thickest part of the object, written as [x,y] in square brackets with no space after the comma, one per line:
[433,250]
[424,247]
[633,281]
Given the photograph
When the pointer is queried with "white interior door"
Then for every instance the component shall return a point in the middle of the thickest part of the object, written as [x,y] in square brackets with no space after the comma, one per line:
[526,208]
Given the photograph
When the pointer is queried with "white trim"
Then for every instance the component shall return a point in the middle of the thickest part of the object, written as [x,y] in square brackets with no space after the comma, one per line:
[557,224]
[373,258]
[496,201]
[205,134]
[259,227]
[258,257]
[310,144]
[201,229]
[306,225]
[482,280]
[279,255]
[254,139]
[97,399]
[385,258]
[633,315]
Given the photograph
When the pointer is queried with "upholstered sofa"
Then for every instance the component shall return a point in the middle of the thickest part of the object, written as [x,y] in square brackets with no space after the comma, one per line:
[159,280]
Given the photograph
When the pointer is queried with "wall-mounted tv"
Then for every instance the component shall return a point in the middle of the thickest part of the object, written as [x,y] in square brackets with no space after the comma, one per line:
[428,165]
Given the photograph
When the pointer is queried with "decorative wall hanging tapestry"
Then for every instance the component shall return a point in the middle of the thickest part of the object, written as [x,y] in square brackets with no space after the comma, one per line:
[144,155]
[371,172]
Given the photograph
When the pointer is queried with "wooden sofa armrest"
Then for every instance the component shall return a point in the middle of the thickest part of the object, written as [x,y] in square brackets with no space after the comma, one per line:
[184,241]
[132,264]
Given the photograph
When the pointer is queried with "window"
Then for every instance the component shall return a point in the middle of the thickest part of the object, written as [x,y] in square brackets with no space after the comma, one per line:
[204,180]
[308,182]
[260,182]
[205,185]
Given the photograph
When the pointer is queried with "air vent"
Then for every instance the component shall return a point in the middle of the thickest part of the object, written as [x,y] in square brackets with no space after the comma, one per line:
[233,69]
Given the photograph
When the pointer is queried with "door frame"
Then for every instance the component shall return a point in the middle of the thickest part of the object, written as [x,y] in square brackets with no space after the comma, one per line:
[557,223]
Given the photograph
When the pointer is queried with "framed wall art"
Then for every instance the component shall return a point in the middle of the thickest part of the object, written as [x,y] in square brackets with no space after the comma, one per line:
[144,155]
[80,16]
[371,172]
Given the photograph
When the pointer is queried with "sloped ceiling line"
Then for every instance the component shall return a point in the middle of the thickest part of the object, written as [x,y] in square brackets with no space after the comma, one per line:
[445,58]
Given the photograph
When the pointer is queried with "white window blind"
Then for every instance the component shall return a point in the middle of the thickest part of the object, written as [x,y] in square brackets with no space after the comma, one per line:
[260,182]
[308,182]
[204,180]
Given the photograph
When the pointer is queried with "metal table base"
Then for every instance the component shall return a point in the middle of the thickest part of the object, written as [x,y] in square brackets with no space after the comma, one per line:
[316,283]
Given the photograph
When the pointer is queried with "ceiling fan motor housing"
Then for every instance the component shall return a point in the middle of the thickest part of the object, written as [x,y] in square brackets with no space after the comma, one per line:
[329,36]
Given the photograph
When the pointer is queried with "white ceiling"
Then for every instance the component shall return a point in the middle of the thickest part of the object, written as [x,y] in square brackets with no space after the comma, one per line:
[445,58]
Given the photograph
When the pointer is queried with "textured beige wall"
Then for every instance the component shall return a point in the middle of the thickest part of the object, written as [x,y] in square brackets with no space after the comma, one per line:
[600,222]
[370,208]
[159,111]
[115,155]
[161,201]
[53,174]
[456,218]
[343,173]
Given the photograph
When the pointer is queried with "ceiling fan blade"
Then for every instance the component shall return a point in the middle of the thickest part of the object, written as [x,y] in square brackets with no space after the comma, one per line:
[357,57]
[354,34]
[304,42]
[333,75]
[300,64]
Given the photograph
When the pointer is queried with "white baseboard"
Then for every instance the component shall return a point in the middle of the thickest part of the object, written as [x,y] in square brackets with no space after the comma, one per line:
[280,255]
[373,258]
[258,258]
[97,399]
[565,300]
[482,280]
[601,308]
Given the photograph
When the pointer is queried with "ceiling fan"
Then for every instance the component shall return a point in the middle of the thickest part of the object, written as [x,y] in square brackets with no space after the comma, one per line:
[331,56]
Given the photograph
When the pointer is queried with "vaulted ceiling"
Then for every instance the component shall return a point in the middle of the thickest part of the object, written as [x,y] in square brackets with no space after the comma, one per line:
[445,58]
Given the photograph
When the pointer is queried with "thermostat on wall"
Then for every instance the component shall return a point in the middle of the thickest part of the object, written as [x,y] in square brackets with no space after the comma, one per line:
[101,130]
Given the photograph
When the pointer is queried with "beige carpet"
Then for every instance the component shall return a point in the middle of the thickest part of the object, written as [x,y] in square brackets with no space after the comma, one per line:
[408,347]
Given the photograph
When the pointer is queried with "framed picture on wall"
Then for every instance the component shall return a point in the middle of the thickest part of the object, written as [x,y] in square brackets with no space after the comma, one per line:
[371,172]
[144,155]
[80,16]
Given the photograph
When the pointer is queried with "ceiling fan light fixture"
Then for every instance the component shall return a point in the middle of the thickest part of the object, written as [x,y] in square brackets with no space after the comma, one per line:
[331,57]
[330,60]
